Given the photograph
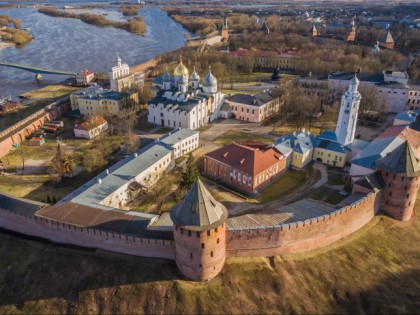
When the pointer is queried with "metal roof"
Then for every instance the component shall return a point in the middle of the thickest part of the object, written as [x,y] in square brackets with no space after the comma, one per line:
[199,211]
[93,192]
[372,181]
[368,77]
[177,135]
[402,160]
[257,100]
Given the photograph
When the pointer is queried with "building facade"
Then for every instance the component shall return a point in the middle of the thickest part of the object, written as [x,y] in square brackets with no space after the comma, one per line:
[96,100]
[91,127]
[120,77]
[254,108]
[183,102]
[248,167]
[84,77]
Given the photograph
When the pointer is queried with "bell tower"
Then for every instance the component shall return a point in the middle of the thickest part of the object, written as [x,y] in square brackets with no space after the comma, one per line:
[347,119]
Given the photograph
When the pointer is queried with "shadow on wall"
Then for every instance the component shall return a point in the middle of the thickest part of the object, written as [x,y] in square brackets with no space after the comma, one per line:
[34,269]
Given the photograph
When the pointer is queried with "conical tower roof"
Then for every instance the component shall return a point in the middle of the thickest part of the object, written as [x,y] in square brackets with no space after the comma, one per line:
[403,160]
[199,211]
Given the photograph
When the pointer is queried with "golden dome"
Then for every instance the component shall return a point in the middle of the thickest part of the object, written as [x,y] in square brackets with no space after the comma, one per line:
[181,70]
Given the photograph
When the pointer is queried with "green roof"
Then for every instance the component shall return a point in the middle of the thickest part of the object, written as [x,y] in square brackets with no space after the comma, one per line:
[199,211]
[403,160]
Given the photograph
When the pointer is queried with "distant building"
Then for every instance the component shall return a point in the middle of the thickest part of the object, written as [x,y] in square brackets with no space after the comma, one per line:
[7,105]
[264,27]
[91,127]
[406,118]
[95,100]
[254,108]
[84,77]
[376,49]
[120,76]
[313,32]
[183,102]
[413,101]
[224,32]
[329,151]
[386,41]
[267,60]
[351,37]
[248,166]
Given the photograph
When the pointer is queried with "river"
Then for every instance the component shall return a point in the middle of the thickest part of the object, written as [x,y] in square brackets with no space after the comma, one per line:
[71,45]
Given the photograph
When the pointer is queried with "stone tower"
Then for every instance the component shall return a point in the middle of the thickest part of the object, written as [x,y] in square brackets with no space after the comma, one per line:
[199,234]
[386,41]
[347,119]
[313,32]
[224,32]
[351,37]
[400,170]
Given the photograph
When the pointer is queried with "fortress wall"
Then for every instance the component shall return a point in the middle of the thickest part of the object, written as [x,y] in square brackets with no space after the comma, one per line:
[87,237]
[302,236]
[17,132]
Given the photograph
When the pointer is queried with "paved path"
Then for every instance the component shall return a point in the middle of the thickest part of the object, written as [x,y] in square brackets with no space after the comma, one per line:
[318,178]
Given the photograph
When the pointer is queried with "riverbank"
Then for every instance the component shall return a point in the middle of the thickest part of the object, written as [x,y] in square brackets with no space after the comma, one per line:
[4,45]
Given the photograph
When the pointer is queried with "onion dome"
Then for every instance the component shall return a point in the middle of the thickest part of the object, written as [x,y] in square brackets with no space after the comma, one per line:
[180,69]
[194,76]
[210,80]
[354,81]
[167,77]
[199,211]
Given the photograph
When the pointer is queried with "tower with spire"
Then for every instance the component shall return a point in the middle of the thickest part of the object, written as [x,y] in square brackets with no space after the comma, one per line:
[313,32]
[224,31]
[199,223]
[351,37]
[347,119]
[120,76]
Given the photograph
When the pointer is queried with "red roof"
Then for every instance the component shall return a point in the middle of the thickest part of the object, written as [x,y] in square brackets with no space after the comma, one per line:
[393,131]
[265,53]
[91,123]
[250,157]
[86,72]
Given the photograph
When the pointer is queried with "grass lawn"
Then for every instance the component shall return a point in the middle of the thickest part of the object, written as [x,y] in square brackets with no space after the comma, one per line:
[327,195]
[233,135]
[355,275]
[285,184]
[51,92]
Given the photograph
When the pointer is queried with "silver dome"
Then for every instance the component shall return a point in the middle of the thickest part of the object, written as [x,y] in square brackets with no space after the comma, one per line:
[210,80]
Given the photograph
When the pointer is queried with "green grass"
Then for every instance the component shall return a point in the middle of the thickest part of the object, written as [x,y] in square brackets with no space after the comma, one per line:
[327,195]
[355,275]
[285,184]
[233,135]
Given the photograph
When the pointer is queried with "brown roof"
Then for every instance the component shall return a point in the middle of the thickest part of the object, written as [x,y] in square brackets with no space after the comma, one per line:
[84,216]
[91,123]
[252,158]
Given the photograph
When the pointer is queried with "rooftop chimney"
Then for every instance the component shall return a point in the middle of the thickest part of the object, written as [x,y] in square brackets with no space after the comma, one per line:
[99,181]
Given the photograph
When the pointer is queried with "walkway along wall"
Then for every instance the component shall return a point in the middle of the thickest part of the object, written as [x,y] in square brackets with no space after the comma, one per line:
[302,235]
[87,237]
[270,241]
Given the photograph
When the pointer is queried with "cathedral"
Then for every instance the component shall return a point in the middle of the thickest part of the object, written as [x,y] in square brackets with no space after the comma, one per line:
[183,101]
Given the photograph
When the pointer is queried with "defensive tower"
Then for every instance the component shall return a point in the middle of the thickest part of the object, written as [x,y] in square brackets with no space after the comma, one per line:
[199,234]
[400,170]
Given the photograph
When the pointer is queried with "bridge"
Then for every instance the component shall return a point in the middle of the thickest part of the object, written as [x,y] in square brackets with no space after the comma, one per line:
[38,71]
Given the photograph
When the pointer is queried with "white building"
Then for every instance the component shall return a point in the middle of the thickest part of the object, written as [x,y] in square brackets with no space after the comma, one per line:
[182,102]
[90,128]
[95,100]
[125,180]
[84,77]
[120,76]
[347,119]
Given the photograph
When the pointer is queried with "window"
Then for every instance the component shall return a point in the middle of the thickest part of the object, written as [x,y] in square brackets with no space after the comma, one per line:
[215,230]
[202,245]
[390,193]
[198,234]
[191,255]
[189,233]
[211,254]
[218,241]
[208,233]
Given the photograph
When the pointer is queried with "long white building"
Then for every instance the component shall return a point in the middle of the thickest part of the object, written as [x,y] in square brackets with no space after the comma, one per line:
[183,102]
[125,180]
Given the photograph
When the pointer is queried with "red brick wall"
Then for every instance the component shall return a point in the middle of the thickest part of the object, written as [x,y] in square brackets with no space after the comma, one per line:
[222,172]
[301,236]
[399,195]
[200,255]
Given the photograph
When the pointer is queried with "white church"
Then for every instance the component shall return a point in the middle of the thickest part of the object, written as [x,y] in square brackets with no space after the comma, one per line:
[183,102]
[121,78]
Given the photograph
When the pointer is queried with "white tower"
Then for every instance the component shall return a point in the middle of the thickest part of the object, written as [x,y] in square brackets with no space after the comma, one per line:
[120,70]
[347,119]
